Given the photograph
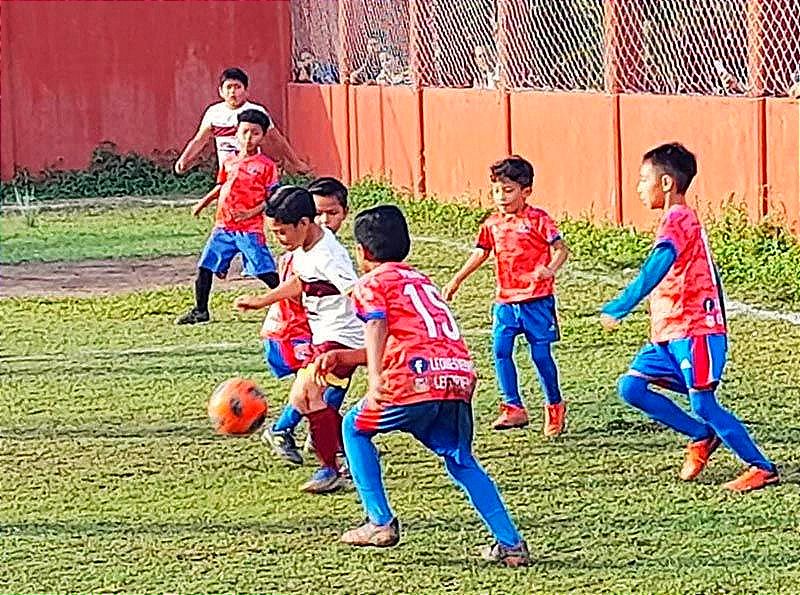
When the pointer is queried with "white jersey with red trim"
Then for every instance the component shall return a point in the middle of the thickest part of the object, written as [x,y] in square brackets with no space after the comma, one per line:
[223,122]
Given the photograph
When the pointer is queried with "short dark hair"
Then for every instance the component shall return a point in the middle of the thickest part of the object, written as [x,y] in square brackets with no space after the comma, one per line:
[289,204]
[234,74]
[327,186]
[514,169]
[383,232]
[676,161]
[254,116]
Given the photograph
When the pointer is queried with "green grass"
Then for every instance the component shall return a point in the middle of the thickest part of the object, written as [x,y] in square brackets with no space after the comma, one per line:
[112,480]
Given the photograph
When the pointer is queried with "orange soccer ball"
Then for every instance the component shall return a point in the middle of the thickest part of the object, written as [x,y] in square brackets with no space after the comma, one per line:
[237,407]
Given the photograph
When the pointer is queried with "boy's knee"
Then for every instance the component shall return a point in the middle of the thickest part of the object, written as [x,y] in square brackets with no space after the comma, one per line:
[704,404]
[503,347]
[631,388]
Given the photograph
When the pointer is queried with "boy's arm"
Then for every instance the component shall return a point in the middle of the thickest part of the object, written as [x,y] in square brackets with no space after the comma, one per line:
[275,139]
[559,254]
[206,200]
[247,213]
[338,357]
[475,260]
[194,147]
[289,289]
[654,269]
[375,335]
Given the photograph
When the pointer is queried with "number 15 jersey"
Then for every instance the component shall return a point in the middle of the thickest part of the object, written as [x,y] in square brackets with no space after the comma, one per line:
[426,358]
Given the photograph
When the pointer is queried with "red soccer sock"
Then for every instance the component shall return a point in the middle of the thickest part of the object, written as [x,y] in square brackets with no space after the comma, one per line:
[325,426]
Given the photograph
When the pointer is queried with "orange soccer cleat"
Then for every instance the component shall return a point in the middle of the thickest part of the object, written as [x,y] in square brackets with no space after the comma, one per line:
[754,478]
[555,417]
[511,417]
[697,455]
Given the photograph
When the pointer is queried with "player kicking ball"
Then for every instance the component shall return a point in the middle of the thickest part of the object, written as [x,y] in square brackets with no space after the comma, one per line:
[688,345]
[421,382]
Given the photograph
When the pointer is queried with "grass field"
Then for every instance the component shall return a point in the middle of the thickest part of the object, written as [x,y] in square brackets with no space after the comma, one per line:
[112,480]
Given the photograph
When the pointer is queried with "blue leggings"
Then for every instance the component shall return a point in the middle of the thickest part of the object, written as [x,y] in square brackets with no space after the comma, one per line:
[709,418]
[546,369]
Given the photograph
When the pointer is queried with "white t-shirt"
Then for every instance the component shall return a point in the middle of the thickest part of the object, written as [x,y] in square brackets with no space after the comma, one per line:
[327,274]
[223,122]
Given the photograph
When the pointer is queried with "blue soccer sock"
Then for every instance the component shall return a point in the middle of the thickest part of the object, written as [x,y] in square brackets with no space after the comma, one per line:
[635,392]
[362,457]
[503,351]
[334,396]
[546,368]
[287,420]
[484,497]
[729,429]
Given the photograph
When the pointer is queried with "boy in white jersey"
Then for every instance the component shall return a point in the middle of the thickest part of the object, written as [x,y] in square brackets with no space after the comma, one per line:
[323,276]
[219,122]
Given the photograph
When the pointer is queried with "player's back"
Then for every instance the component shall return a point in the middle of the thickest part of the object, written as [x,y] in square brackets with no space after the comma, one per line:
[426,357]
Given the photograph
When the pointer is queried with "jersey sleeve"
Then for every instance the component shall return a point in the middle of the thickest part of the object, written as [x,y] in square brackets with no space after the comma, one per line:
[340,272]
[206,119]
[548,228]
[369,300]
[485,239]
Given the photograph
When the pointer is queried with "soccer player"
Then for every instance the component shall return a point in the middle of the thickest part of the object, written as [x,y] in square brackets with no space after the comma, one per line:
[688,343]
[286,334]
[241,190]
[323,276]
[219,122]
[529,251]
[421,381]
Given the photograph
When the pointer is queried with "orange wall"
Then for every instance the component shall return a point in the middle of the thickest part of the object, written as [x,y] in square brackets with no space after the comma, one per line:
[570,141]
[386,135]
[586,148]
[783,159]
[138,74]
[464,131]
[318,127]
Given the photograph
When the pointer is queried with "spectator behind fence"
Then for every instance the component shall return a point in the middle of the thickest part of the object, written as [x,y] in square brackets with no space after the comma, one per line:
[794,89]
[371,68]
[311,70]
[487,73]
[392,70]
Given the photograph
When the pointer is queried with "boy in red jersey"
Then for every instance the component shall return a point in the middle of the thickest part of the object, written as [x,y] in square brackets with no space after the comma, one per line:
[421,381]
[286,333]
[688,345]
[241,192]
[528,250]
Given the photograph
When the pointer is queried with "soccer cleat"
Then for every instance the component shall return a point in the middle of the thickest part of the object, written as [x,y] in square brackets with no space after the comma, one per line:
[754,478]
[511,417]
[283,445]
[554,418]
[194,316]
[324,481]
[370,534]
[510,556]
[697,455]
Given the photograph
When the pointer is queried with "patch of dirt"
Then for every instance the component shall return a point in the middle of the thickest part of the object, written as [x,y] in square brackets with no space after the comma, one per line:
[106,276]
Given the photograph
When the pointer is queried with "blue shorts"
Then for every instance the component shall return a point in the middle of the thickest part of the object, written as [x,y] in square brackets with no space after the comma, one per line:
[682,364]
[536,319]
[445,427]
[284,358]
[222,246]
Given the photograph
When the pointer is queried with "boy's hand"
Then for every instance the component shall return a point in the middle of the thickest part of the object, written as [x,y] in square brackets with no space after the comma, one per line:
[373,397]
[449,290]
[198,208]
[247,302]
[180,166]
[609,322]
[542,272]
[324,364]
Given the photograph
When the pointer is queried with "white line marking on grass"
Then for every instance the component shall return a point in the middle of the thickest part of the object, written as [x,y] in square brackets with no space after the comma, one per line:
[734,308]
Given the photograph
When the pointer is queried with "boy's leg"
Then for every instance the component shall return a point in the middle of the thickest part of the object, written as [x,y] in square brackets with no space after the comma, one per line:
[219,250]
[447,431]
[256,257]
[653,365]
[505,328]
[706,357]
